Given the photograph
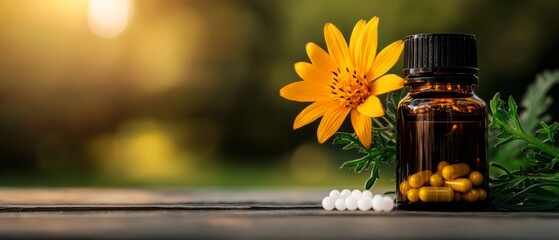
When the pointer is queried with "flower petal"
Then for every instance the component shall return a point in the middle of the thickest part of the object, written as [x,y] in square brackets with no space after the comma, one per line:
[331,122]
[337,46]
[320,58]
[309,72]
[363,127]
[355,44]
[387,83]
[304,91]
[386,59]
[371,107]
[312,112]
[369,44]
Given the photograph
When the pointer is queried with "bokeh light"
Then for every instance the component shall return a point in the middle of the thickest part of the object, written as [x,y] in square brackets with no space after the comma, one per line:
[185,92]
[108,18]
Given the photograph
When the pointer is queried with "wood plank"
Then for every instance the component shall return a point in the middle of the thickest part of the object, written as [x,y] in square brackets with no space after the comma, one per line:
[157,196]
[291,224]
[240,214]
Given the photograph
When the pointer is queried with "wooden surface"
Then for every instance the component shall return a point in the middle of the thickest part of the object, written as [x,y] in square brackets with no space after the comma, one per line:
[240,214]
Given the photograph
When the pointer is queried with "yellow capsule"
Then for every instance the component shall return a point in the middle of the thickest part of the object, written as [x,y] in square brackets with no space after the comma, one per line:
[457,197]
[419,179]
[436,180]
[441,165]
[459,184]
[471,196]
[476,178]
[436,194]
[455,170]
[482,194]
[404,187]
[413,195]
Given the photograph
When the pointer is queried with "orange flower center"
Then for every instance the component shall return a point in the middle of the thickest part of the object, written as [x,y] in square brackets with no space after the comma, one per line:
[349,88]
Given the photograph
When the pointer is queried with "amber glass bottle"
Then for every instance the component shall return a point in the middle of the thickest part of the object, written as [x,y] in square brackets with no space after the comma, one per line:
[442,131]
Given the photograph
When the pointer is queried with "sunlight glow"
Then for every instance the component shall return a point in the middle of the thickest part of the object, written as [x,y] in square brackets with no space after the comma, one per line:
[108,18]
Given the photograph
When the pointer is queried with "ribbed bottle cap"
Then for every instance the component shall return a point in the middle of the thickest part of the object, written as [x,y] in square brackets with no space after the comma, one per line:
[440,54]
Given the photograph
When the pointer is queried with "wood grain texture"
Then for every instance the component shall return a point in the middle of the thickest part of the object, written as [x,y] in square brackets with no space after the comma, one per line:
[240,214]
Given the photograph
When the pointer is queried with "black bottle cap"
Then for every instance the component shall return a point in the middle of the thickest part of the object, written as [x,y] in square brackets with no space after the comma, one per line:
[440,54]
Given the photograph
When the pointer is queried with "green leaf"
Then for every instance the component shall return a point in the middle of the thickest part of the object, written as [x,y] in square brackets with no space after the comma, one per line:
[357,164]
[507,140]
[505,135]
[535,185]
[536,101]
[513,109]
[534,106]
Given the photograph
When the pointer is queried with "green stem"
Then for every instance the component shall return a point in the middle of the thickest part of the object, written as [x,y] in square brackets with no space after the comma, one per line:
[519,133]
[392,148]
[529,188]
[540,144]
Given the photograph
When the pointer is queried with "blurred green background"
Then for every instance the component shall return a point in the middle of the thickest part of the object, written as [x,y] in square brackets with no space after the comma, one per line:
[185,93]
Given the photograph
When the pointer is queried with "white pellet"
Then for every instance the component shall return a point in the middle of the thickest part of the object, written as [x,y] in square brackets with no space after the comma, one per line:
[364,204]
[388,204]
[328,203]
[345,193]
[378,202]
[367,194]
[340,204]
[356,194]
[335,194]
[351,203]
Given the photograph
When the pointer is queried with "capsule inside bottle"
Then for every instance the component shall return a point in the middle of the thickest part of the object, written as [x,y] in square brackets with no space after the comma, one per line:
[436,180]
[436,194]
[455,170]
[419,179]
[476,178]
[413,195]
[482,194]
[404,187]
[441,165]
[459,184]
[471,196]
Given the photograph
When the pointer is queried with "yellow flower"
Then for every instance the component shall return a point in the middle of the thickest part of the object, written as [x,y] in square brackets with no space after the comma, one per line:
[345,80]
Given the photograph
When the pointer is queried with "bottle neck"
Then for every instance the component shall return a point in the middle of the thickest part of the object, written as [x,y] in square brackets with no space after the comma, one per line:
[442,77]
[442,84]
[441,89]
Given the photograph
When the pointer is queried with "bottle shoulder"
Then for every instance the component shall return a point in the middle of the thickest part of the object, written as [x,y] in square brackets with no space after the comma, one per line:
[462,104]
